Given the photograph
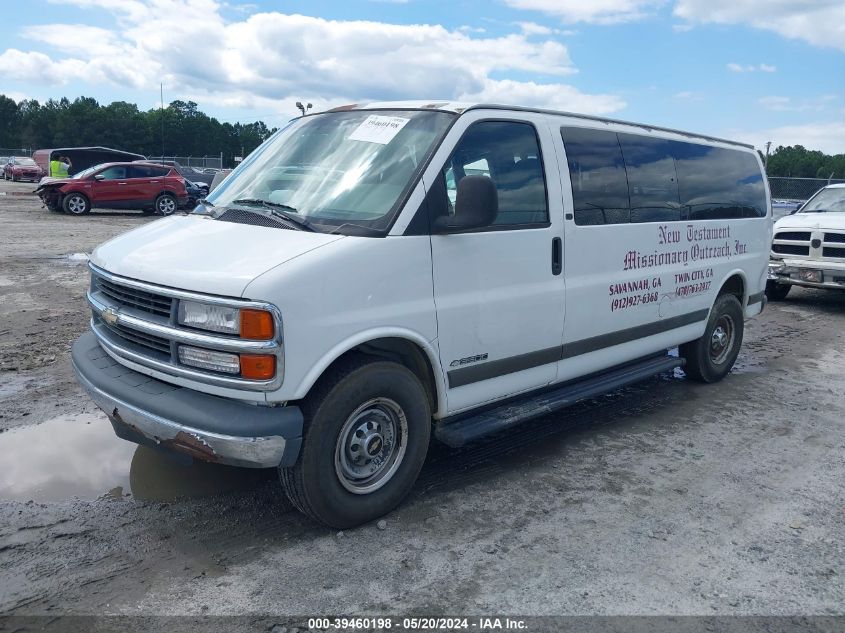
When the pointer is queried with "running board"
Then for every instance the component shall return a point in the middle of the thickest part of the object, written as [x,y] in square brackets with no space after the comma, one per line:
[463,428]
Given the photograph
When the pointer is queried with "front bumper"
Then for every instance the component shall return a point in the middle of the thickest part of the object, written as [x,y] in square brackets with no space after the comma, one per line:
[789,273]
[151,412]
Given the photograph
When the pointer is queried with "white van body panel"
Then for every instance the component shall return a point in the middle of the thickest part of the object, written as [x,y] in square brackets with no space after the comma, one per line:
[327,310]
[199,254]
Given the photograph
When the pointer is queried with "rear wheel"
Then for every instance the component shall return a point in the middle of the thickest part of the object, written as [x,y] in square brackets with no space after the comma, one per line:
[367,431]
[776,291]
[76,204]
[166,204]
[711,357]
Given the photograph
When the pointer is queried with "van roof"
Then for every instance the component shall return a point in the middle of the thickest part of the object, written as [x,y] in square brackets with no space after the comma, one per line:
[459,107]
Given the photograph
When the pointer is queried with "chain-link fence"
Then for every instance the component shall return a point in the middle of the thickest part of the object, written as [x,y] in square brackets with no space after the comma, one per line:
[798,189]
[197,162]
[5,152]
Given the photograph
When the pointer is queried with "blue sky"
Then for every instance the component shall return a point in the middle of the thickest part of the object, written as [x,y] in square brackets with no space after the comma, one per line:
[755,70]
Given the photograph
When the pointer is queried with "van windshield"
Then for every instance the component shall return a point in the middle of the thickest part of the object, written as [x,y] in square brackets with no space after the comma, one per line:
[827,200]
[340,171]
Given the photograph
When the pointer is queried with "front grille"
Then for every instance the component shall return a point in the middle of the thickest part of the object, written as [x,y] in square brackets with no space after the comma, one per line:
[239,216]
[141,339]
[798,236]
[135,298]
[791,249]
[829,251]
[839,238]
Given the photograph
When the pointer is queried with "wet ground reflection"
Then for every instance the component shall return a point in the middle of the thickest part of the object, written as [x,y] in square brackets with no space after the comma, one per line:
[79,456]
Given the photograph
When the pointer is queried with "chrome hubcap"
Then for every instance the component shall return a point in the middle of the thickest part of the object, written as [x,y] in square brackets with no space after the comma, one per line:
[371,446]
[721,341]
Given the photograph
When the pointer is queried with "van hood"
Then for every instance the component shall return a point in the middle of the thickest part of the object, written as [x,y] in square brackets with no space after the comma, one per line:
[203,255]
[826,220]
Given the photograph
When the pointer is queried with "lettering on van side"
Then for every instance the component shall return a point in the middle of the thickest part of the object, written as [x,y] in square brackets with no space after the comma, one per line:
[468,360]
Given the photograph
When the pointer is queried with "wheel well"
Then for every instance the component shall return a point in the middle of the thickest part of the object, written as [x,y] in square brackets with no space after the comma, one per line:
[735,285]
[401,351]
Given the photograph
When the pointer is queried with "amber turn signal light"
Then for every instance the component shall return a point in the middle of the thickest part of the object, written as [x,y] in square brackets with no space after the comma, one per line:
[258,366]
[256,324]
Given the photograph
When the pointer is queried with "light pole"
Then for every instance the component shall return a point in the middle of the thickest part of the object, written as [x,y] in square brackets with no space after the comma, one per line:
[766,160]
[303,108]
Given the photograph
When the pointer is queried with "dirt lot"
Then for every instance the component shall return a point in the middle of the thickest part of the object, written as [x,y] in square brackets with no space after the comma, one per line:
[665,498]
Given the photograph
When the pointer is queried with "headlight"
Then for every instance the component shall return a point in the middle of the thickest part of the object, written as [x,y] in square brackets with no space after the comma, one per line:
[207,359]
[247,323]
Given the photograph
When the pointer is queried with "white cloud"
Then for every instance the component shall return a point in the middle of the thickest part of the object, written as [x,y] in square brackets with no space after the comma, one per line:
[751,68]
[682,28]
[828,137]
[688,95]
[594,11]
[274,57]
[550,96]
[819,22]
[787,104]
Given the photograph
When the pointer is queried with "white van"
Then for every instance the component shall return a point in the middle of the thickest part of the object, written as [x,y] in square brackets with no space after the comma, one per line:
[375,274]
[809,245]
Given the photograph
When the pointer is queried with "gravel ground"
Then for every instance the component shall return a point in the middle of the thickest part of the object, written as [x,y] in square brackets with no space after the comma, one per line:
[668,497]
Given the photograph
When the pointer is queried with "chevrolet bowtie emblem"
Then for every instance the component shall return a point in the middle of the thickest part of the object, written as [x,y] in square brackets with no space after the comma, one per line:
[109,315]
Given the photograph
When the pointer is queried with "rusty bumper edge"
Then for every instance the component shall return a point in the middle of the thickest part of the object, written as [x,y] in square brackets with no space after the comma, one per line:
[250,452]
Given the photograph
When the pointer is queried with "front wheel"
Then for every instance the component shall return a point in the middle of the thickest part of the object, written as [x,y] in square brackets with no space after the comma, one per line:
[366,436]
[711,357]
[165,204]
[776,291]
[76,204]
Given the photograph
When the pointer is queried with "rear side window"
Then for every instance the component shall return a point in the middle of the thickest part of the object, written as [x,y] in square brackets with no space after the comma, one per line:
[663,180]
[147,171]
[717,183]
[508,153]
[652,181]
[597,171]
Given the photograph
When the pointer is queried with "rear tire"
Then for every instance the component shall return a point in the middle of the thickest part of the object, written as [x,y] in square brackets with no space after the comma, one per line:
[776,291]
[76,204]
[711,357]
[367,428]
[166,204]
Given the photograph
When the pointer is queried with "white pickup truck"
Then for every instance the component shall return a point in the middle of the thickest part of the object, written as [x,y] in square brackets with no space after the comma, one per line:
[809,245]
[379,273]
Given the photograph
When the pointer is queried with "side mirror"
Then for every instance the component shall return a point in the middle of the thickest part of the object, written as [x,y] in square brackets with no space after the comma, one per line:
[99,177]
[476,206]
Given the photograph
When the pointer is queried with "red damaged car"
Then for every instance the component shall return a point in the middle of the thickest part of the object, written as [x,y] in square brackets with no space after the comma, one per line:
[149,187]
[22,168]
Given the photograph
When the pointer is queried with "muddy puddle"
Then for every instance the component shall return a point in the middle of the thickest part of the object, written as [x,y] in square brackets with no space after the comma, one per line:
[79,456]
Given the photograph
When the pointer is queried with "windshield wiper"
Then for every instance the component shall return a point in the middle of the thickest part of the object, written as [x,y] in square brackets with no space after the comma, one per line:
[278,209]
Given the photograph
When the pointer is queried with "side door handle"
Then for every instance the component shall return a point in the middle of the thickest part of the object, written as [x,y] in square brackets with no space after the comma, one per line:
[557,256]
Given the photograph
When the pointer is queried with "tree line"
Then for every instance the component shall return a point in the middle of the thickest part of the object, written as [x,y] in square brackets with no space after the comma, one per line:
[121,125]
[799,162]
[189,132]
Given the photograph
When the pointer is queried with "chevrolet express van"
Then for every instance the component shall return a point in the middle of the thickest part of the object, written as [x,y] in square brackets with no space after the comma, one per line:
[378,274]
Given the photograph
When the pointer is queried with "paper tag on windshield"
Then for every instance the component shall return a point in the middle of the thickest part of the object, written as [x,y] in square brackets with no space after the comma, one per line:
[378,129]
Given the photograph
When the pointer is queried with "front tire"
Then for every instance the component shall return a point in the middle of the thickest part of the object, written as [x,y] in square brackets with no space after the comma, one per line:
[166,204]
[367,428]
[776,291]
[711,357]
[76,204]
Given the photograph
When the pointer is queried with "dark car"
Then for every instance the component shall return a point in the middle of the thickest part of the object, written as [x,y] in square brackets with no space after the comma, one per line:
[196,191]
[22,168]
[148,187]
